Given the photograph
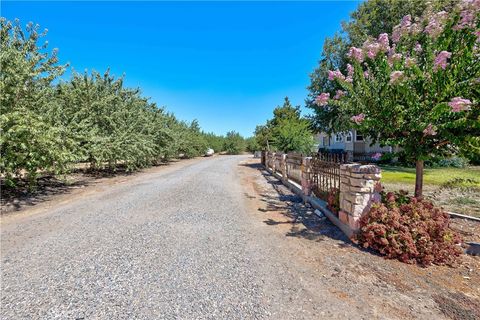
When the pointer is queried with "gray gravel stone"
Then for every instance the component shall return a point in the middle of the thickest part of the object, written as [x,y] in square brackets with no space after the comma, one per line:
[177,245]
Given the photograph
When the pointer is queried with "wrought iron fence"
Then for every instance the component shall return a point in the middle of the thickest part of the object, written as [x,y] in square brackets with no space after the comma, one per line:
[269,160]
[325,173]
[278,162]
[294,167]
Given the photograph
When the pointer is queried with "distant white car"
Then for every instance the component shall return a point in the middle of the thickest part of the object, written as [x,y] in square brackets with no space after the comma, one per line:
[209,152]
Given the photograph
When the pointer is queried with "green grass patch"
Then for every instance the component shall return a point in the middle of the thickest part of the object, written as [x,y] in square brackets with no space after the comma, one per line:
[449,177]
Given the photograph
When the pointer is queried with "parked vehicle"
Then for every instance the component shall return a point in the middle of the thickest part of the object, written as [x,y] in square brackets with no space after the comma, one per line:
[209,152]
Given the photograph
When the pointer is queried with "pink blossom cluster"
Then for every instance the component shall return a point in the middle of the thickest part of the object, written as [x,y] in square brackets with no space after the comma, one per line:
[393,56]
[332,75]
[441,60]
[405,27]
[418,48]
[477,33]
[356,54]
[469,9]
[376,156]
[410,62]
[384,42]
[436,23]
[406,21]
[366,75]
[458,104]
[339,94]
[429,130]
[372,48]
[350,71]
[322,99]
[396,34]
[396,76]
[358,118]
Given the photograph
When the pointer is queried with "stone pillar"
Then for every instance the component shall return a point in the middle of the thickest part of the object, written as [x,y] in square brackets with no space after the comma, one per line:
[357,192]
[306,176]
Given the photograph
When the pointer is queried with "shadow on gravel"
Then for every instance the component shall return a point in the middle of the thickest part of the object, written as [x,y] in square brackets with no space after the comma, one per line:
[14,199]
[21,196]
[302,218]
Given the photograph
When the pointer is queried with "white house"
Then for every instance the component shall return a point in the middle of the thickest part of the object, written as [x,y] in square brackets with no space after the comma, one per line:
[352,142]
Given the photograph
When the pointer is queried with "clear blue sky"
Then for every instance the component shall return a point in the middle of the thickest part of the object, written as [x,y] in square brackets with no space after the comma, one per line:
[227,64]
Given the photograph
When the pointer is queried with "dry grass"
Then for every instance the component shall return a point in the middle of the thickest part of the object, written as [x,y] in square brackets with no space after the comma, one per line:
[454,189]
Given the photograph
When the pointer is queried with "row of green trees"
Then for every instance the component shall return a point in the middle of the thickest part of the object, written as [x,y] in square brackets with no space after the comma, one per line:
[405,73]
[49,124]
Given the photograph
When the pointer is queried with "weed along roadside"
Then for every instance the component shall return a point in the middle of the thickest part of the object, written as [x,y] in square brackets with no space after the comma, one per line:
[352,197]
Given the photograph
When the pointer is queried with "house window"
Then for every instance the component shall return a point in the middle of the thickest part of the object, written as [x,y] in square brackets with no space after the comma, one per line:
[338,137]
[359,136]
[348,138]
[326,141]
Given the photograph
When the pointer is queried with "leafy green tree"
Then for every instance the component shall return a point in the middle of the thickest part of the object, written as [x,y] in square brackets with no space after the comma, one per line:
[252,144]
[263,136]
[417,88]
[286,131]
[293,135]
[234,143]
[29,142]
[112,125]
[215,142]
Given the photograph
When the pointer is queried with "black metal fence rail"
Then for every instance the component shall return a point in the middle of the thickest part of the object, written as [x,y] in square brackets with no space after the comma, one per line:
[294,167]
[325,173]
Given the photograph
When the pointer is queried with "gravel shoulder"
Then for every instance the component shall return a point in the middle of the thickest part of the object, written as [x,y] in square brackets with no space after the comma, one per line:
[210,239]
[367,283]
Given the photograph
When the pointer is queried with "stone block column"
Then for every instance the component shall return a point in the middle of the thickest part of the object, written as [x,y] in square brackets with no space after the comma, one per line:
[357,192]
[307,176]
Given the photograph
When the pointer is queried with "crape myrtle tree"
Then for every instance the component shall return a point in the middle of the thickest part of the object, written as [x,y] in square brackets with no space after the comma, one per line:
[28,140]
[370,19]
[417,88]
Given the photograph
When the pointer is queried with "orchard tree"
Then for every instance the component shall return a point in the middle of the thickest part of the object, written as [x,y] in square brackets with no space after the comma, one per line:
[29,143]
[417,88]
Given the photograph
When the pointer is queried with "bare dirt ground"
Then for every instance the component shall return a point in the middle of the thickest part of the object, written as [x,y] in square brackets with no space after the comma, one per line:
[358,277]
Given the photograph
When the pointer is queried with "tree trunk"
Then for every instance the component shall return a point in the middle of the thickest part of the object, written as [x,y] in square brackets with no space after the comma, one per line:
[419,179]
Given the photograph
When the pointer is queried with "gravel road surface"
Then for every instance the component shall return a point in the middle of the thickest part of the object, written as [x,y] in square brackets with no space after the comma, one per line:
[214,238]
[173,244]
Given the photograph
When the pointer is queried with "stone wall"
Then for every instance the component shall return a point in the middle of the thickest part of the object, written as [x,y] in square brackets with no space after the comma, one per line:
[358,184]
[357,192]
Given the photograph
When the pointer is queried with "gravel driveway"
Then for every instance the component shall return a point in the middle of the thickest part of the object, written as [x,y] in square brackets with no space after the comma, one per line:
[196,240]
[175,244]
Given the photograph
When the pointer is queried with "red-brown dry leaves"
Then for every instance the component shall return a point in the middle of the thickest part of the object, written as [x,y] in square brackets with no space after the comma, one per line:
[333,200]
[410,230]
